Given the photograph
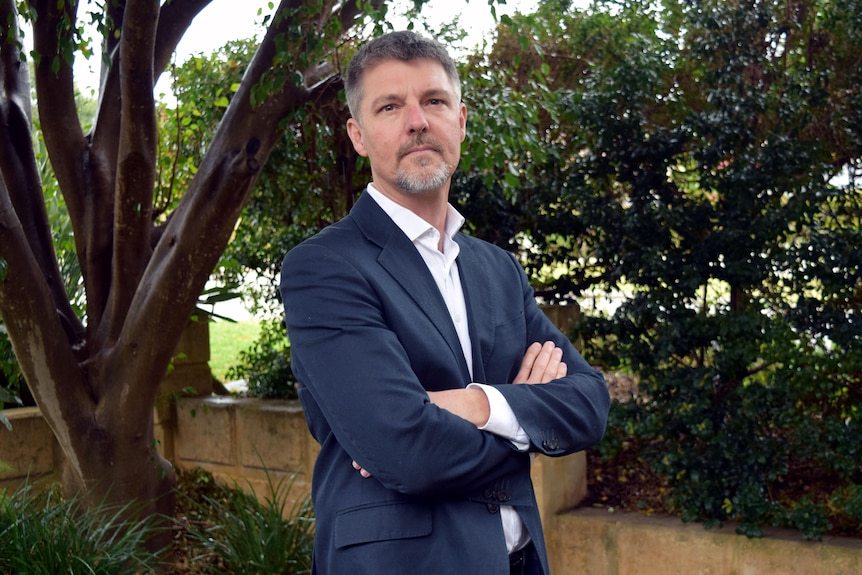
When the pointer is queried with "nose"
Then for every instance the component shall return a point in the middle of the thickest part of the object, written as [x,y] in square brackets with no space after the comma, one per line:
[417,121]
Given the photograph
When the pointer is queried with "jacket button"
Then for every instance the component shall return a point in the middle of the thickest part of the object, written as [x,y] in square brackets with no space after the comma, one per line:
[551,444]
[493,508]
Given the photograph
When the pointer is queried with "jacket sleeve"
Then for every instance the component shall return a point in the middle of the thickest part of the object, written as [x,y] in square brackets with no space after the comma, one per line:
[564,415]
[359,376]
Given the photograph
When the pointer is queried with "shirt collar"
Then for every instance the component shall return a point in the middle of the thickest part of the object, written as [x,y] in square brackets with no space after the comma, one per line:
[411,224]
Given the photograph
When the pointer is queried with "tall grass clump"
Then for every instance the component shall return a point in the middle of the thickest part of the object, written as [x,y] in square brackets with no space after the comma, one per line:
[243,534]
[41,533]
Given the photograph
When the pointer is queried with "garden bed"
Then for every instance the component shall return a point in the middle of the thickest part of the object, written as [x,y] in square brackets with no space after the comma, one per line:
[625,482]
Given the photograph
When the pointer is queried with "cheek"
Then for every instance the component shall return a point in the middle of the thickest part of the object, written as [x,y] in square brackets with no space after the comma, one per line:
[379,142]
[456,138]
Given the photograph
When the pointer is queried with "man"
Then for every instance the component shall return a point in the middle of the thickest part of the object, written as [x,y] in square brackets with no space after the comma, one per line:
[406,336]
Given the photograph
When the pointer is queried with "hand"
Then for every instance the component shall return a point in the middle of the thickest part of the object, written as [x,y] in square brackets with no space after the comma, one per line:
[541,364]
[361,471]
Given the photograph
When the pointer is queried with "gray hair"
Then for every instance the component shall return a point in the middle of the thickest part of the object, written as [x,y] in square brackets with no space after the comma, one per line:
[402,45]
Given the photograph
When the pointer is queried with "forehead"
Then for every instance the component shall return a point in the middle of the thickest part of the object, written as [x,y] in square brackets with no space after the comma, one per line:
[398,78]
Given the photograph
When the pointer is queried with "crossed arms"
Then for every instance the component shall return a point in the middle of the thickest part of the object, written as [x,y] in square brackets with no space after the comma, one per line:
[541,364]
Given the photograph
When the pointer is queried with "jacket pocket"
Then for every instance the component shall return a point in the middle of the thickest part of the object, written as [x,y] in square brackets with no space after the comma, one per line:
[382,522]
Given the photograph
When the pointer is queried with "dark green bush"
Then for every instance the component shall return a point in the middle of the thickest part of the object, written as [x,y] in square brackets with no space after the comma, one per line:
[692,172]
[741,254]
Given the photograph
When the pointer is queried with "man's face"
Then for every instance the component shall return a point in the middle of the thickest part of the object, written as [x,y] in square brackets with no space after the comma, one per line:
[410,126]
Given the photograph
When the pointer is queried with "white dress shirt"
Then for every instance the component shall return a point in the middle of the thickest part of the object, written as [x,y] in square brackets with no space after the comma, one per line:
[426,238]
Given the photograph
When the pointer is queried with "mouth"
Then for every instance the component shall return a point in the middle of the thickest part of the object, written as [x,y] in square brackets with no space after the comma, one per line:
[418,152]
[419,148]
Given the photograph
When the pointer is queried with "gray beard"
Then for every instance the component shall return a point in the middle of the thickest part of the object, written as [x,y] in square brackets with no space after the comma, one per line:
[418,184]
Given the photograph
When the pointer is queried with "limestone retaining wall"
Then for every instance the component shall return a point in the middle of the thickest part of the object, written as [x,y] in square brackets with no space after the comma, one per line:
[240,439]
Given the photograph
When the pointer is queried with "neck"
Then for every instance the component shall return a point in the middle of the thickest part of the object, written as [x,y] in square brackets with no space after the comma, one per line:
[430,206]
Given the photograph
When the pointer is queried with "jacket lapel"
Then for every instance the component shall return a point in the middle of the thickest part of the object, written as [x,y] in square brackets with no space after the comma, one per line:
[399,257]
[481,304]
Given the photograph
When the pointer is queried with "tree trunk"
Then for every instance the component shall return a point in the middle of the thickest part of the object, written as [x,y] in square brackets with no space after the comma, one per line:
[119,466]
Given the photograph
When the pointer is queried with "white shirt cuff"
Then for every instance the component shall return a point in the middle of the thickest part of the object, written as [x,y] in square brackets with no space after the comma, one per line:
[503,421]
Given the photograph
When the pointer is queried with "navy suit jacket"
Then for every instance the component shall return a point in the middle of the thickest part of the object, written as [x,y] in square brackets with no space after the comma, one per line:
[370,334]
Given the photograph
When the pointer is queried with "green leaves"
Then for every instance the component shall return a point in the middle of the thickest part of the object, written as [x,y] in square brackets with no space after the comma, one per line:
[42,534]
[257,534]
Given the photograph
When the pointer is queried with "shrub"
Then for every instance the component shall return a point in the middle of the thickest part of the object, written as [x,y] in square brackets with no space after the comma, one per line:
[251,536]
[43,534]
[698,184]
[266,364]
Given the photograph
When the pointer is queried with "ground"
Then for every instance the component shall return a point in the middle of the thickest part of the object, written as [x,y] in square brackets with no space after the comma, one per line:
[189,557]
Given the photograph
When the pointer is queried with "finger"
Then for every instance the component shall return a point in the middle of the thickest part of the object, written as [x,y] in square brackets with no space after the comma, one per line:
[361,471]
[562,370]
[541,364]
[552,369]
[530,355]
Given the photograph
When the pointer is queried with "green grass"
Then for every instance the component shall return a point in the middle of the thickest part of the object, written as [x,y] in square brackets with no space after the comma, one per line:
[227,340]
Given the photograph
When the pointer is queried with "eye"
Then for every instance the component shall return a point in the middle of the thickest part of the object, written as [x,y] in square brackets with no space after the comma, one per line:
[387,108]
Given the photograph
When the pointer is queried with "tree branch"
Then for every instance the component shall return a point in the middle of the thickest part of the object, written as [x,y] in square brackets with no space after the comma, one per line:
[83,177]
[20,171]
[105,132]
[55,94]
[136,162]
[43,352]
[174,19]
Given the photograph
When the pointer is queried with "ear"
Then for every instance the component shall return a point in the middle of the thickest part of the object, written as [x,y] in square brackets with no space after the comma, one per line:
[463,112]
[354,131]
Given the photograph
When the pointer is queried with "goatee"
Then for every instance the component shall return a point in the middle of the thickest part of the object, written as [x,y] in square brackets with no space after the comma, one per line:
[424,177]
[414,183]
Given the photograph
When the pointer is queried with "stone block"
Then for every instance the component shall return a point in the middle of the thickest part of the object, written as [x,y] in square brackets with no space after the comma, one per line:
[29,448]
[644,548]
[560,483]
[271,435]
[206,431]
[593,541]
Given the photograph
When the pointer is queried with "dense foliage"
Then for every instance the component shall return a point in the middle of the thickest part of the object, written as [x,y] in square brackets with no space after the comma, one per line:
[705,171]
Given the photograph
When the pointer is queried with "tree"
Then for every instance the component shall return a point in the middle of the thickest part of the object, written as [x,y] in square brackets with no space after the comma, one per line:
[95,375]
